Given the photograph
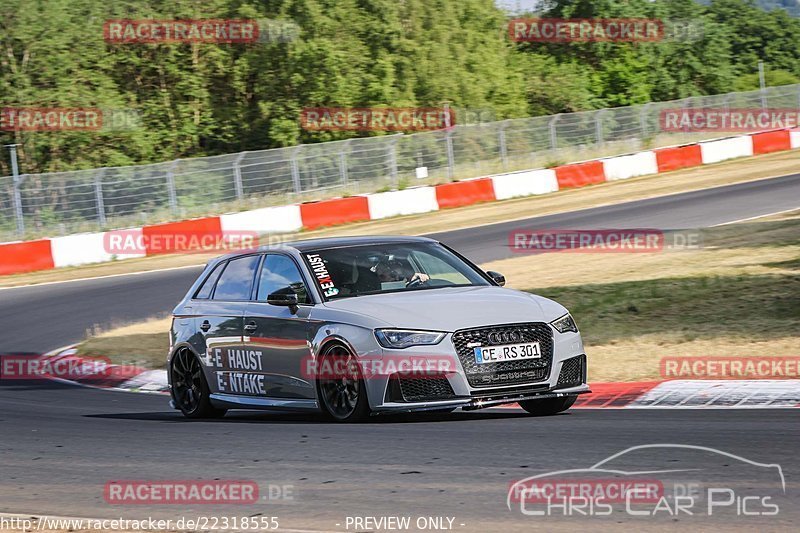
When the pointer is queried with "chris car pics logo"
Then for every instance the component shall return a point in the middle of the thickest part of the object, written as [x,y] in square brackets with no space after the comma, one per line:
[656,480]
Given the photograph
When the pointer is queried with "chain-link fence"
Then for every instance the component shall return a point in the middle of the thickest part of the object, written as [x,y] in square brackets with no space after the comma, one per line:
[69,202]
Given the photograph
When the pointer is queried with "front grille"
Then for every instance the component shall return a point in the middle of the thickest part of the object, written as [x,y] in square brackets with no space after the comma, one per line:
[572,372]
[506,372]
[425,388]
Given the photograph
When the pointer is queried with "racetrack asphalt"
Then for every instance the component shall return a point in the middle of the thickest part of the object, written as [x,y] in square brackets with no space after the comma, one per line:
[61,443]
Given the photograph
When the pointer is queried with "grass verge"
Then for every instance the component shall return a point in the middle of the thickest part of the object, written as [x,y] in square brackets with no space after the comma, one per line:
[145,344]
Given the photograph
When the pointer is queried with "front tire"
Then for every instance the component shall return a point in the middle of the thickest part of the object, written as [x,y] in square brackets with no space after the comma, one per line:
[340,386]
[548,406]
[189,388]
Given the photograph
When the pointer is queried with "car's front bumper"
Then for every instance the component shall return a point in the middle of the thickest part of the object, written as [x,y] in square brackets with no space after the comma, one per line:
[566,347]
[481,402]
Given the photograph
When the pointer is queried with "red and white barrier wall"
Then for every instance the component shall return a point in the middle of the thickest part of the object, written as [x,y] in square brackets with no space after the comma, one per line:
[794,139]
[81,249]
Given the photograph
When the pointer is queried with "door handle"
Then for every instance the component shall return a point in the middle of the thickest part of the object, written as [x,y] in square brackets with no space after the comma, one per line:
[205,326]
[250,327]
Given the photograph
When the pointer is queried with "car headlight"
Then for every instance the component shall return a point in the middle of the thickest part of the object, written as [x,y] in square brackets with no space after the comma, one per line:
[403,338]
[565,324]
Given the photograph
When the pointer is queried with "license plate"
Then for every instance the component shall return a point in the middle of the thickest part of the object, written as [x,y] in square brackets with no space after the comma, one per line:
[507,352]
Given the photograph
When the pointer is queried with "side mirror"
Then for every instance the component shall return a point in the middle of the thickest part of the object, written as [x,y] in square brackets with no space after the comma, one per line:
[497,277]
[283,299]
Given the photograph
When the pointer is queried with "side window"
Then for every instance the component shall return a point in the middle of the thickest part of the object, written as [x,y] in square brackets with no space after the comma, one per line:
[280,273]
[237,279]
[204,293]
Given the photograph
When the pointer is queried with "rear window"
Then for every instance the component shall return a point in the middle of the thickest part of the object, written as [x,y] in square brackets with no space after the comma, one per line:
[204,293]
[236,280]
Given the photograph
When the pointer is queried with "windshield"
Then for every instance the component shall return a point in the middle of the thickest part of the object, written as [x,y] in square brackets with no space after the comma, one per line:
[378,268]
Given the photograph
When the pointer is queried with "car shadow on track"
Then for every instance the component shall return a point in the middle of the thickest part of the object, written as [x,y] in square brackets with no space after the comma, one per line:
[260,417]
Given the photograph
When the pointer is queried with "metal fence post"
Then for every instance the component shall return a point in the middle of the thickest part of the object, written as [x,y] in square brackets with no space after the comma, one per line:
[451,159]
[502,142]
[98,196]
[598,126]
[685,105]
[296,170]
[343,164]
[553,135]
[237,176]
[18,206]
[727,102]
[448,142]
[173,196]
[393,161]
[17,182]
[643,114]
[762,84]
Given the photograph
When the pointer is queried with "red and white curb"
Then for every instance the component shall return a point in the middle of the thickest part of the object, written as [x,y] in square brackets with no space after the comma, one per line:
[692,394]
[673,394]
[86,248]
[126,378]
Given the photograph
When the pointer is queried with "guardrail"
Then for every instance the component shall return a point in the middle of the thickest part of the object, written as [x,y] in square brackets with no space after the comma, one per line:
[69,202]
[281,222]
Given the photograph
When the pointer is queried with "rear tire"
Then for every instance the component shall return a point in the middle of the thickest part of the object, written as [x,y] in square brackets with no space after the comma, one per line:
[340,388]
[548,406]
[189,388]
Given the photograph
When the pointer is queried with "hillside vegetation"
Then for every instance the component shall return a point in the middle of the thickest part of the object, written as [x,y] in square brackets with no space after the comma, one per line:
[205,99]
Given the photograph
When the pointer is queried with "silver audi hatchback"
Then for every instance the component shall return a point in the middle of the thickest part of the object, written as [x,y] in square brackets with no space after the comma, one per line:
[366,325]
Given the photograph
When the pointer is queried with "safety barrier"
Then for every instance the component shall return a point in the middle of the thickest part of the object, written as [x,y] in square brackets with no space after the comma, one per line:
[678,157]
[580,174]
[75,250]
[336,211]
[526,183]
[771,141]
[630,166]
[27,256]
[411,201]
[283,219]
[723,149]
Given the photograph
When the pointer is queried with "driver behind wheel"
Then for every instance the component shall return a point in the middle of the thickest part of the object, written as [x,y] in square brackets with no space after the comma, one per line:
[393,270]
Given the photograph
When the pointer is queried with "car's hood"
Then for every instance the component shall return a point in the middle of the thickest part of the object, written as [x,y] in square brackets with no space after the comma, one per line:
[452,308]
